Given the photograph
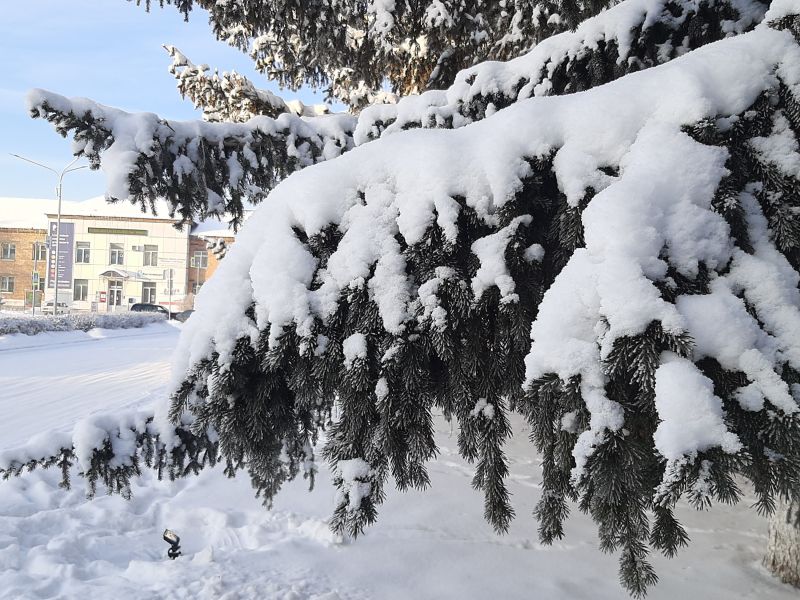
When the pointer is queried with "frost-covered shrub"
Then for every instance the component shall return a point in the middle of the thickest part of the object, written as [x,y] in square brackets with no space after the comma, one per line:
[75,322]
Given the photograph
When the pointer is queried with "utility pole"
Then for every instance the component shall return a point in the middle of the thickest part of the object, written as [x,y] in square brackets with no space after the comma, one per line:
[69,168]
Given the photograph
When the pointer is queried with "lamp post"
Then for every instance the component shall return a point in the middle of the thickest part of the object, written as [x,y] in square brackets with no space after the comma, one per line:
[34,276]
[69,168]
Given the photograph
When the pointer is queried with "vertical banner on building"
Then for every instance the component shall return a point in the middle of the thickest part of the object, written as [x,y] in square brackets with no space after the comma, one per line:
[60,255]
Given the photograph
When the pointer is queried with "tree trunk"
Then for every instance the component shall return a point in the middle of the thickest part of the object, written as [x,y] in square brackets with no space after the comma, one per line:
[783,551]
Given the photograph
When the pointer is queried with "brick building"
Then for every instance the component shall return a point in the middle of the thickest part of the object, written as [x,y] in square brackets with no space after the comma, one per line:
[203,260]
[23,265]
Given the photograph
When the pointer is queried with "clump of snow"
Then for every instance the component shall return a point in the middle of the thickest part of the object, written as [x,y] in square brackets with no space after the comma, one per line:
[322,345]
[569,421]
[493,271]
[483,408]
[534,253]
[355,474]
[354,348]
[381,389]
[691,415]
[429,300]
[780,148]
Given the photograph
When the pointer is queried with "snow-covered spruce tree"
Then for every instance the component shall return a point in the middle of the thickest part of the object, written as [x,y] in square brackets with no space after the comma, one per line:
[620,266]
[209,167]
[352,48]
[629,37]
[377,280]
[644,33]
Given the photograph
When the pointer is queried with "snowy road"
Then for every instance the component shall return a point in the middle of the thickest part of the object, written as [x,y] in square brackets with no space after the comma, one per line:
[431,546]
[77,374]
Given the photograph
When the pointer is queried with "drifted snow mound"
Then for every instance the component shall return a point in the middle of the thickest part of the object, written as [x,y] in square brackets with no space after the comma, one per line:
[28,325]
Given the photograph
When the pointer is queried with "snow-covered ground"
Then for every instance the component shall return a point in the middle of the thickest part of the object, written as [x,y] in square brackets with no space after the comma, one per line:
[51,380]
[56,544]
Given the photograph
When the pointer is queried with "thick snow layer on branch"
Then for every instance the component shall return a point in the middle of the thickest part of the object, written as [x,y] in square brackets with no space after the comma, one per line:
[395,189]
[209,168]
[90,434]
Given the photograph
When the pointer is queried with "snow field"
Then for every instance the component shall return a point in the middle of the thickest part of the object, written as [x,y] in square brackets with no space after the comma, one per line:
[49,381]
[55,544]
[428,545]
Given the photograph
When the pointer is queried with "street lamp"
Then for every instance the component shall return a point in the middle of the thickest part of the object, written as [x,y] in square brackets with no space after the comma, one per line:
[35,276]
[69,168]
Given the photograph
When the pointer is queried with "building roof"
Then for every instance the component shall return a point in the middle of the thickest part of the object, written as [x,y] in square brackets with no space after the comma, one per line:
[213,228]
[31,213]
[27,213]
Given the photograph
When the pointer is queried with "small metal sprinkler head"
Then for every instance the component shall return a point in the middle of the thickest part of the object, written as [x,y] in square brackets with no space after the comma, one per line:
[175,543]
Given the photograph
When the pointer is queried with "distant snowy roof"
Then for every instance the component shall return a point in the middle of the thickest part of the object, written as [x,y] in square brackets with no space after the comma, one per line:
[24,212]
[100,207]
[31,213]
[213,227]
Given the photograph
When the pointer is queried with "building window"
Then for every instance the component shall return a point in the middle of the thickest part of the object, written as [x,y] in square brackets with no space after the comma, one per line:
[149,293]
[39,251]
[81,289]
[200,259]
[37,282]
[150,256]
[8,251]
[82,252]
[196,287]
[117,255]
[6,284]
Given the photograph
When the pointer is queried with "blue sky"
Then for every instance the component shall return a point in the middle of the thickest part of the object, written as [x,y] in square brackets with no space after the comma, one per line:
[106,50]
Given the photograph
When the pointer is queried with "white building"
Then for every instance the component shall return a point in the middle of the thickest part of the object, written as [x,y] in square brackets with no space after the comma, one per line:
[110,256]
[119,260]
